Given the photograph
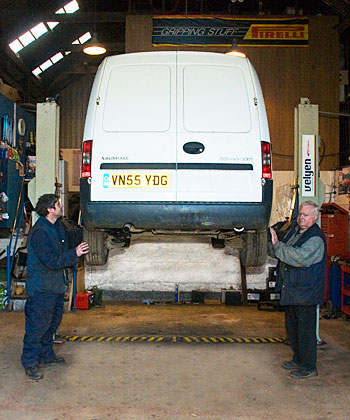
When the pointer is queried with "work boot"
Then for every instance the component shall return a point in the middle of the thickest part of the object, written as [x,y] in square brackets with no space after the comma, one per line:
[33,372]
[54,361]
[290,365]
[303,373]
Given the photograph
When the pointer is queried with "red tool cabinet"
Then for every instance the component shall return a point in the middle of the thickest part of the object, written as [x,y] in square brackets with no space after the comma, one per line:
[334,225]
[345,290]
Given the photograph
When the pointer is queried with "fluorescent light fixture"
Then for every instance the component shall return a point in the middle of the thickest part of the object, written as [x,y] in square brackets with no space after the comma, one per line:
[16,46]
[39,30]
[26,38]
[60,11]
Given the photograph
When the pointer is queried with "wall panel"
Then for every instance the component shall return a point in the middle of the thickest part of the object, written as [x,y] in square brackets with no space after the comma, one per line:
[73,104]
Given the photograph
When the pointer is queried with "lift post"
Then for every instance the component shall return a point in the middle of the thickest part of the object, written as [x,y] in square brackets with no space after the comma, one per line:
[306,162]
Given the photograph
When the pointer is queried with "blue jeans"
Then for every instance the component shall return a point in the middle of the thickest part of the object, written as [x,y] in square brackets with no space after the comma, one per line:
[43,312]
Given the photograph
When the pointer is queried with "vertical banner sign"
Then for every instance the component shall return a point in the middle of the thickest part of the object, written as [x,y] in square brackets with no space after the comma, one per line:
[221,31]
[308,166]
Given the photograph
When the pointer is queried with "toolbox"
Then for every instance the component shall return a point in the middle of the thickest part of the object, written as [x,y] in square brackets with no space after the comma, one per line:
[84,300]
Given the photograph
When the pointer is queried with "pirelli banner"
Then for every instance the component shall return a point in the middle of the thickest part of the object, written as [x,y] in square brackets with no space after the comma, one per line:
[220,31]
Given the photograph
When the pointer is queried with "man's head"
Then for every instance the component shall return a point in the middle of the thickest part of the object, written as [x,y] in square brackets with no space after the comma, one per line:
[308,215]
[49,204]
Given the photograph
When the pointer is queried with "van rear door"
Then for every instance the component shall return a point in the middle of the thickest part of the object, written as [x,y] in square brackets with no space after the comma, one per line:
[134,134]
[218,142]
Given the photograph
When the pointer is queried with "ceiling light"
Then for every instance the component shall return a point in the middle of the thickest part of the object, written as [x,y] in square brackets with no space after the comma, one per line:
[93,47]
[234,51]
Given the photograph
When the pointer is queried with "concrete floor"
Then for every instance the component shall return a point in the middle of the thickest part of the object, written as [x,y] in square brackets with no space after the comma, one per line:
[110,381]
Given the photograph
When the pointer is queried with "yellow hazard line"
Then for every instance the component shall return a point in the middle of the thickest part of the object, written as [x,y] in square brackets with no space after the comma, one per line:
[175,339]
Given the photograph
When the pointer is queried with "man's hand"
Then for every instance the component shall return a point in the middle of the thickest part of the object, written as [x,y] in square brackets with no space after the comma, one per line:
[274,237]
[82,248]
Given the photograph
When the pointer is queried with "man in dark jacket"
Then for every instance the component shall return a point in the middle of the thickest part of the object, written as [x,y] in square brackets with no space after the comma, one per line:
[51,249]
[302,257]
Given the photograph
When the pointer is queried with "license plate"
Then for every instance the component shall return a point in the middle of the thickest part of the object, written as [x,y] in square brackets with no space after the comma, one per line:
[136,180]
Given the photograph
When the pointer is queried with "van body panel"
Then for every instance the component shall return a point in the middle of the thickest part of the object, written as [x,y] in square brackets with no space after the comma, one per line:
[135,122]
[216,107]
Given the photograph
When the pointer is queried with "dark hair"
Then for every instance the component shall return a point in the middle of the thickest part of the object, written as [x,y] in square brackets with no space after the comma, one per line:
[46,201]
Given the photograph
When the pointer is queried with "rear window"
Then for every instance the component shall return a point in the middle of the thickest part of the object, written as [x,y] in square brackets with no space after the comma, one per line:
[215,99]
[137,99]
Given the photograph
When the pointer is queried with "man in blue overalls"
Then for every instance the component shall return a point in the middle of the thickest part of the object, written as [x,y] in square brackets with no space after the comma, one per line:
[51,249]
[302,257]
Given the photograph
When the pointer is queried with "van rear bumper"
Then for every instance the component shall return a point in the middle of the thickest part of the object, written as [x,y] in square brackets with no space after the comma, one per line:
[174,215]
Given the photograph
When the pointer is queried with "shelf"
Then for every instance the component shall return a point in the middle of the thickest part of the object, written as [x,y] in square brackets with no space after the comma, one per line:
[19,297]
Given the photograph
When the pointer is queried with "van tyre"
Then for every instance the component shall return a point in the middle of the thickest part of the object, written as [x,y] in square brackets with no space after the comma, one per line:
[98,251]
[253,253]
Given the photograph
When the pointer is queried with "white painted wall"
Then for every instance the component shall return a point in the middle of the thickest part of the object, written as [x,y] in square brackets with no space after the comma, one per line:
[158,263]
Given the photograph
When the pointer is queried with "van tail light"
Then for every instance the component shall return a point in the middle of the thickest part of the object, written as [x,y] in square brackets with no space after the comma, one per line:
[266,160]
[86,159]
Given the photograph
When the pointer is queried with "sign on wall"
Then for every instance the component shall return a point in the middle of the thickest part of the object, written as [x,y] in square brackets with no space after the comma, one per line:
[308,166]
[221,31]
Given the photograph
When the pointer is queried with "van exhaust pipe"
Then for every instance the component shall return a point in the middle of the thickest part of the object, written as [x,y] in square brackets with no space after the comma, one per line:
[127,228]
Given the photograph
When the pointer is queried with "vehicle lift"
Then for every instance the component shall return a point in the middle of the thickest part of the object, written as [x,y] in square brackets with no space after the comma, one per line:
[307,183]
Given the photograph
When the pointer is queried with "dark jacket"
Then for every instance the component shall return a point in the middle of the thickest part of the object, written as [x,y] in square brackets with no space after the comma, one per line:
[303,285]
[51,249]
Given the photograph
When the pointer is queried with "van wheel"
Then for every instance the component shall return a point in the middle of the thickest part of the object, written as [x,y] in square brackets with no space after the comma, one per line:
[98,252]
[253,253]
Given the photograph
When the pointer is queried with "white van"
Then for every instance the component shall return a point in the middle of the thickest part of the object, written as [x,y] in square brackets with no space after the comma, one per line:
[176,142]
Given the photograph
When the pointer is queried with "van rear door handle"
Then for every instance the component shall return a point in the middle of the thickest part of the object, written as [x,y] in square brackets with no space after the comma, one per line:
[193,147]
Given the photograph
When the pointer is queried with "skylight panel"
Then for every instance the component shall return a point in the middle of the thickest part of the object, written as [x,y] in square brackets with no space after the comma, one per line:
[48,63]
[26,38]
[71,7]
[52,25]
[39,30]
[56,57]
[37,71]
[16,46]
[85,38]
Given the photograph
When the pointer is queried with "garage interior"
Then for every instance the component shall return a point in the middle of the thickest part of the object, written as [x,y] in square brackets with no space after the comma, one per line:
[170,327]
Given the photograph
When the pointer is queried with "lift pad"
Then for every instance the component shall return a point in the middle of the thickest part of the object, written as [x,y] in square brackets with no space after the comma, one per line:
[174,339]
